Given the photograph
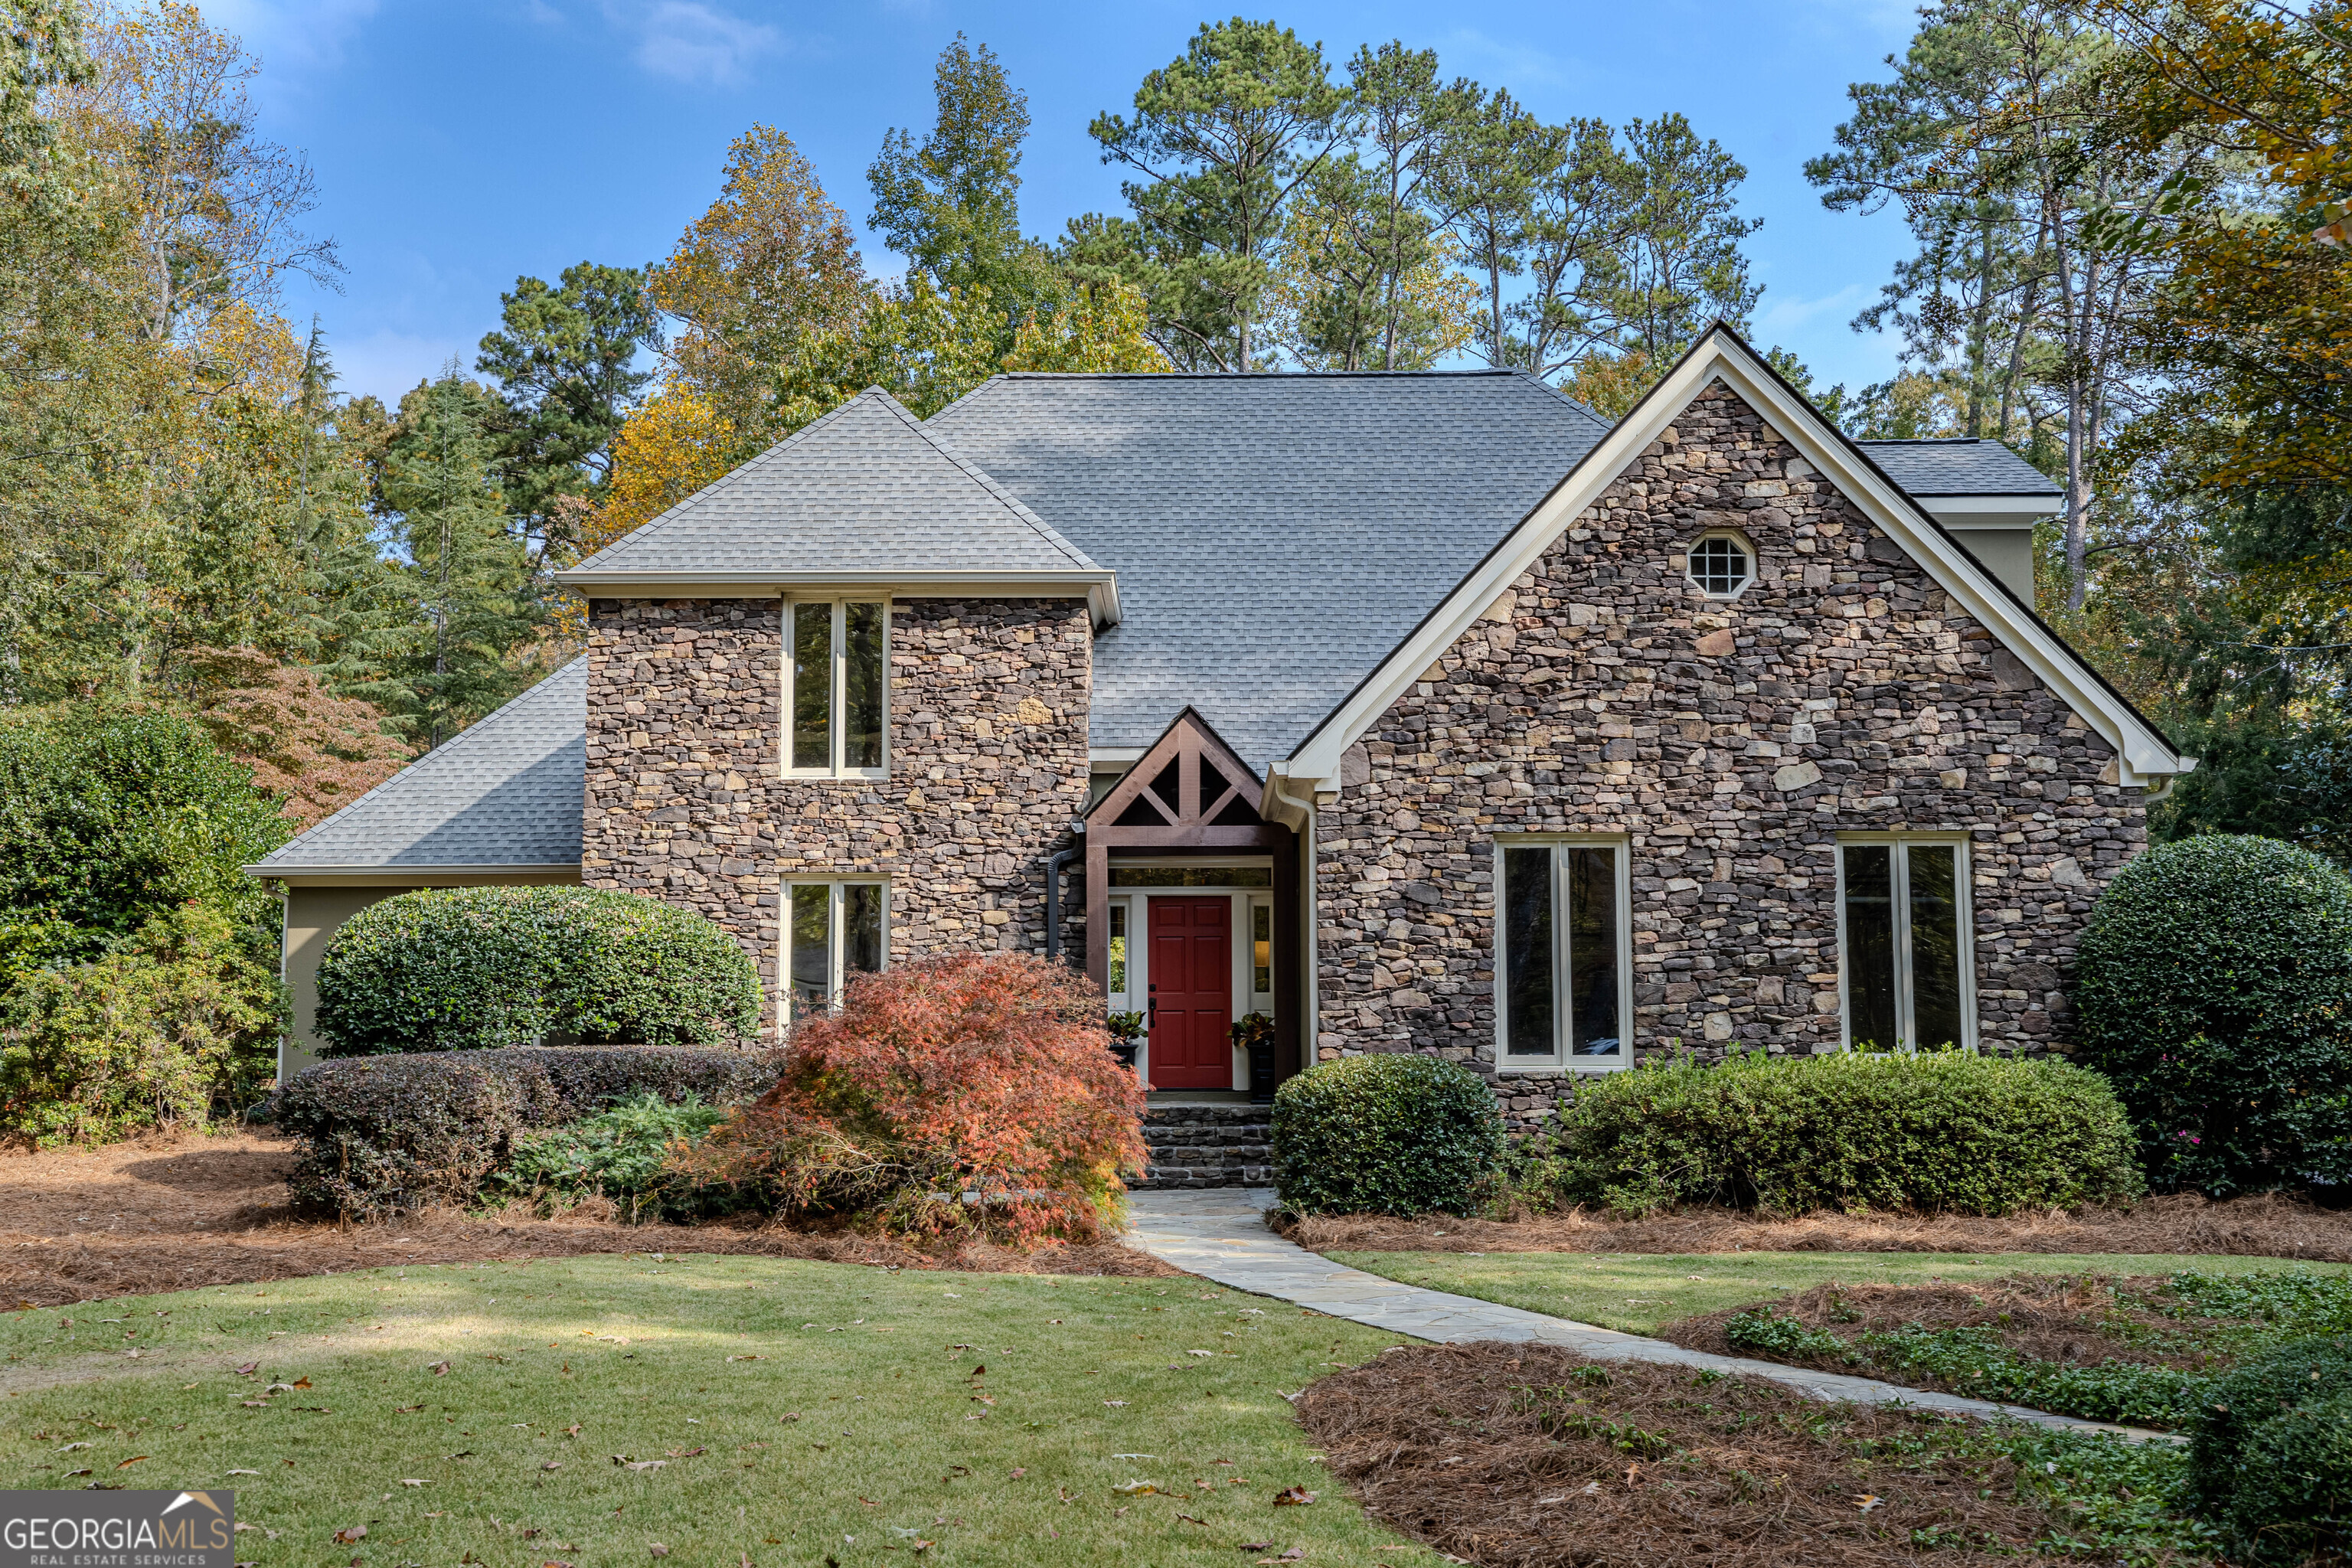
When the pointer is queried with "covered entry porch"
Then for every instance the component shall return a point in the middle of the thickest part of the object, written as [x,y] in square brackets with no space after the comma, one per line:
[1194,917]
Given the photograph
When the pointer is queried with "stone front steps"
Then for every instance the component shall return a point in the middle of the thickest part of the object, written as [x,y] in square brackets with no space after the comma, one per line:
[1209,1146]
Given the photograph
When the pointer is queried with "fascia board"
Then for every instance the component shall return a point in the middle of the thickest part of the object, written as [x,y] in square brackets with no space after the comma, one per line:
[1099,587]
[2145,756]
[2025,508]
[379,875]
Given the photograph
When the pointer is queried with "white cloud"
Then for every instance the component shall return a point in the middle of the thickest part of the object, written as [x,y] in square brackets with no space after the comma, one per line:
[1785,315]
[690,41]
[299,38]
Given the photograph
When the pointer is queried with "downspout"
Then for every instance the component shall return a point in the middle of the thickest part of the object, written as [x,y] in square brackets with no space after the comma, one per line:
[1300,815]
[1053,870]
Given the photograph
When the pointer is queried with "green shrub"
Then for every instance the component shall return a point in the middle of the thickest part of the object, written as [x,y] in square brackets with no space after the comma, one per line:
[622,1154]
[178,1027]
[392,1133]
[2270,1459]
[1397,1132]
[110,818]
[486,967]
[2214,983]
[1936,1132]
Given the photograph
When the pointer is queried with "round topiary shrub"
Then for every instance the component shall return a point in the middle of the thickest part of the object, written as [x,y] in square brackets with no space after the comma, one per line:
[460,968]
[2214,984]
[2270,1459]
[1395,1134]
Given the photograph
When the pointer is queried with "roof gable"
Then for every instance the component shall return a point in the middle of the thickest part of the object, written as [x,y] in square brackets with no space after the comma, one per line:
[1721,354]
[1959,466]
[867,490]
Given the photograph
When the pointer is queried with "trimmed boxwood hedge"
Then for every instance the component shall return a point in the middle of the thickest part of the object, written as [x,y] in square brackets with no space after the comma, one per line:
[2214,984]
[392,1133]
[454,968]
[1936,1132]
[1396,1132]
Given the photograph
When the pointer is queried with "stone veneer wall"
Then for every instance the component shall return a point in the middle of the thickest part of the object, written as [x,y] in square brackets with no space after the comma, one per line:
[1729,741]
[687,799]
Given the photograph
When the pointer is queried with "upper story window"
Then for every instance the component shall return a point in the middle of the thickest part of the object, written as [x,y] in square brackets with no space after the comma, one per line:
[836,675]
[1903,918]
[1563,974]
[1722,566]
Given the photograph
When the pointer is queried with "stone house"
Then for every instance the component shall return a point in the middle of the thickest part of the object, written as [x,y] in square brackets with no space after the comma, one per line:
[1415,712]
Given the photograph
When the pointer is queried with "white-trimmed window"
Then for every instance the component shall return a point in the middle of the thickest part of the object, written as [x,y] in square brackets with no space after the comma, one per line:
[1908,953]
[1721,564]
[832,929]
[1563,969]
[836,687]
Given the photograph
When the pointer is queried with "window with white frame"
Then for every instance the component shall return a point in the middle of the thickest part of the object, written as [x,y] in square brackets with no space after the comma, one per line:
[1562,971]
[1904,926]
[833,931]
[838,687]
[1721,565]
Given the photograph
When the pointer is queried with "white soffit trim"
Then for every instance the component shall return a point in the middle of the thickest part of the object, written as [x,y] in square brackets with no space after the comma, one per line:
[2015,511]
[1099,588]
[2146,756]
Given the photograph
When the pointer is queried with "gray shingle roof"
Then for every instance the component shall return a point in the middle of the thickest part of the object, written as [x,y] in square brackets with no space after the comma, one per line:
[865,489]
[1959,466]
[507,792]
[1275,536]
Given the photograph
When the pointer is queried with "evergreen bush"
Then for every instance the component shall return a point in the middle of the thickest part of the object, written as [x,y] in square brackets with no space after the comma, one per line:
[456,968]
[1395,1133]
[389,1134]
[2214,984]
[1936,1132]
[622,1155]
[2270,1459]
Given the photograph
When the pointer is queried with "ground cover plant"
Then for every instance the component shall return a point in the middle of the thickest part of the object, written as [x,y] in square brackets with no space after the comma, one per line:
[1532,1456]
[2214,983]
[729,1409]
[622,1156]
[1933,1131]
[459,968]
[2145,1349]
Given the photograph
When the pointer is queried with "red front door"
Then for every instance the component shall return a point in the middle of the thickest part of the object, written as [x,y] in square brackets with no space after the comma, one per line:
[1191,996]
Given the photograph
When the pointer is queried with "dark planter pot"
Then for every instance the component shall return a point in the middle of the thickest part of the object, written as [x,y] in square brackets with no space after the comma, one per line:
[1125,1051]
[1261,1057]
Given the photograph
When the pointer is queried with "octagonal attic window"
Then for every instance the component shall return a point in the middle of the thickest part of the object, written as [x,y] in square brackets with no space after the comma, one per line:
[1722,566]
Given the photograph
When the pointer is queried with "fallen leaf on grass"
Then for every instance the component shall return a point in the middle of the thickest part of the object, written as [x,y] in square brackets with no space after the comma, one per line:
[439,1369]
[131,1461]
[1115,1403]
[1293,1497]
[299,1383]
[1019,1473]
[407,1482]
[69,1447]
[71,1474]
[657,1548]
[1135,1489]
[248,1369]
[572,1430]
[406,1409]
[646,1463]
[351,1534]
[255,1403]
[1257,1546]
[1200,1353]
[552,1465]
[1187,1518]
[245,1472]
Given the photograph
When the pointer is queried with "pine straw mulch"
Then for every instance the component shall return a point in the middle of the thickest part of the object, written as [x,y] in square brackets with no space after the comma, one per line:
[2268,1225]
[176,1213]
[2078,1321]
[1439,1444]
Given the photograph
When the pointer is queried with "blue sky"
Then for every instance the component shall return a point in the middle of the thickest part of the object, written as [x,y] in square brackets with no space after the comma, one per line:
[459,143]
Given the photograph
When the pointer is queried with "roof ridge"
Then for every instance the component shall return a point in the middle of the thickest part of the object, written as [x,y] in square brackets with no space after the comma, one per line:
[948,450]
[443,751]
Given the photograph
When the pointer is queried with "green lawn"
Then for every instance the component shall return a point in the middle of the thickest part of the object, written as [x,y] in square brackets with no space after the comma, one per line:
[702,1364]
[1639,1293]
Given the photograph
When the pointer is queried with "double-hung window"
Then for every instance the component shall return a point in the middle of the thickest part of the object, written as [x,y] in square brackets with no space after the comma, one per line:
[1563,974]
[1903,918]
[833,930]
[836,681]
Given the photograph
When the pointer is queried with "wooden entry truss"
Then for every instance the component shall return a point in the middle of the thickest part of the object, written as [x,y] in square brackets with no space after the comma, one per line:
[1190,794]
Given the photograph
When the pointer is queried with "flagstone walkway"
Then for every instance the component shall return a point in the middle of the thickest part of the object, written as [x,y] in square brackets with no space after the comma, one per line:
[1220,1234]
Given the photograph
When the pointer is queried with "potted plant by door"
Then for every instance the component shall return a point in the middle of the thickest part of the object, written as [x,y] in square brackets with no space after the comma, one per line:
[1254,1034]
[1126,1035]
